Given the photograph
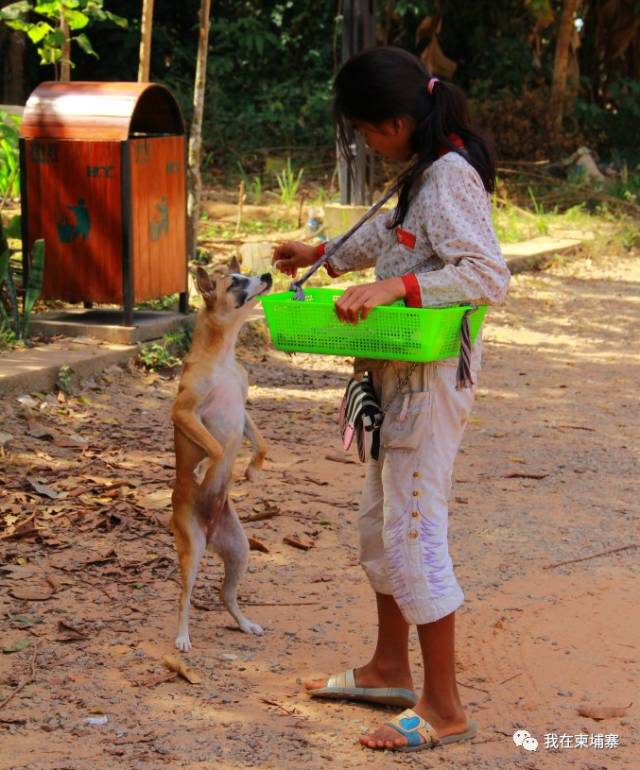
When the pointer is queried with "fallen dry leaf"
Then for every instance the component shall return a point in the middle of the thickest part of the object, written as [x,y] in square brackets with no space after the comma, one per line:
[156,501]
[28,401]
[257,545]
[26,528]
[296,543]
[31,594]
[4,438]
[155,680]
[264,510]
[174,663]
[67,632]
[73,440]
[42,489]
[311,480]
[38,430]
[602,712]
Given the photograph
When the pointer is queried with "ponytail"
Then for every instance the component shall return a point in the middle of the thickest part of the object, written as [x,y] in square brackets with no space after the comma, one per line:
[387,82]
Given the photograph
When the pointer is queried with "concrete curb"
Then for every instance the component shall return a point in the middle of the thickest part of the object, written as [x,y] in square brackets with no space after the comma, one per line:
[37,369]
[538,252]
[104,325]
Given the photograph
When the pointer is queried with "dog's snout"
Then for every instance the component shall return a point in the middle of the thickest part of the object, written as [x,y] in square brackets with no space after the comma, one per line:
[266,278]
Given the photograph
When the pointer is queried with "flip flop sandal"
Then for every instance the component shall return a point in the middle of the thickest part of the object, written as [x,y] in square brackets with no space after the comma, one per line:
[343,687]
[421,735]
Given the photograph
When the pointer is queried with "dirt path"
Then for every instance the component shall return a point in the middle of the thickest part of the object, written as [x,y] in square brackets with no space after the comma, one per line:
[548,473]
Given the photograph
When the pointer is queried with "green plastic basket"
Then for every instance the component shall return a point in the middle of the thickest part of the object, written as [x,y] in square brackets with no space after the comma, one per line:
[394,332]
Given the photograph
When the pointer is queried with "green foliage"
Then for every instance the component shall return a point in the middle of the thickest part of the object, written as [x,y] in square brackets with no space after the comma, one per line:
[65,377]
[179,341]
[540,221]
[155,356]
[167,354]
[45,31]
[613,124]
[269,76]
[9,155]
[33,287]
[168,302]
[248,227]
[627,186]
[7,335]
[11,315]
[630,236]
[271,65]
[289,183]
[252,186]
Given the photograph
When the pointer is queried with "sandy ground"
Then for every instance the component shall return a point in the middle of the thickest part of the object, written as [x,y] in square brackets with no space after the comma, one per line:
[548,472]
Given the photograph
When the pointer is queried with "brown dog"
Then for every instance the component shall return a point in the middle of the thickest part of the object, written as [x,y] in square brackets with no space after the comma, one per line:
[210,421]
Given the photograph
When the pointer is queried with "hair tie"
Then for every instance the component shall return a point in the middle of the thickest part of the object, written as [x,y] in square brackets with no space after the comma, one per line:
[431,84]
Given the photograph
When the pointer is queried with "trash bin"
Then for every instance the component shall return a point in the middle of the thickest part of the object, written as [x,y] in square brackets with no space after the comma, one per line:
[103,181]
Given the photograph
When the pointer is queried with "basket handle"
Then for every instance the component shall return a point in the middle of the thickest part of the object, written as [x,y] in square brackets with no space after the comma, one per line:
[331,249]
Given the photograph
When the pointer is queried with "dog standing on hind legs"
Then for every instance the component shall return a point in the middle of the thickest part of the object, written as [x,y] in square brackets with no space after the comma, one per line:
[210,422]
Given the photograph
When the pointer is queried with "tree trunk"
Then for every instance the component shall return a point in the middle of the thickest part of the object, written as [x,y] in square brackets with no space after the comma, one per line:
[15,62]
[195,135]
[561,63]
[65,61]
[146,26]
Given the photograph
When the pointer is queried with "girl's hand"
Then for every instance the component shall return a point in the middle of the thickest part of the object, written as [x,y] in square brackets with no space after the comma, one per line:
[288,257]
[359,301]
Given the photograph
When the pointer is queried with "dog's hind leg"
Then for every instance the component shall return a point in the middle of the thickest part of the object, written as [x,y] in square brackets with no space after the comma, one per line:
[230,543]
[191,542]
[251,431]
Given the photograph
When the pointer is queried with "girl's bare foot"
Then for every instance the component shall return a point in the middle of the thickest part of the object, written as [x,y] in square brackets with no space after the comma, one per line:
[373,675]
[385,737]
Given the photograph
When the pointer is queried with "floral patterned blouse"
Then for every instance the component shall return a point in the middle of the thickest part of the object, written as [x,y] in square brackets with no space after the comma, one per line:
[446,250]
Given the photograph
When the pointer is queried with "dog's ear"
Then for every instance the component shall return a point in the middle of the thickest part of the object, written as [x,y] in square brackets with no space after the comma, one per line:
[206,286]
[234,265]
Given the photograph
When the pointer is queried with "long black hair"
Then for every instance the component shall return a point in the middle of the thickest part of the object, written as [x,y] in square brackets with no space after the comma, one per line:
[386,82]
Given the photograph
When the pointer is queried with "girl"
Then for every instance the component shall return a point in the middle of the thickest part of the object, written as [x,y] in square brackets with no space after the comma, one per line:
[437,248]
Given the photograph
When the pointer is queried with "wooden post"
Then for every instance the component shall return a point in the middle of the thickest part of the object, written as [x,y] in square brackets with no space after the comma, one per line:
[195,135]
[65,61]
[146,26]
[358,32]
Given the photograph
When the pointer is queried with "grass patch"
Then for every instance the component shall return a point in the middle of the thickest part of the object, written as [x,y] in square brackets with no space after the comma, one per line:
[226,230]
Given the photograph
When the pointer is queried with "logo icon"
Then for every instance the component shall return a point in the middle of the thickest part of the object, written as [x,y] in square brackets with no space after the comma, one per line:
[525,740]
[69,231]
[160,226]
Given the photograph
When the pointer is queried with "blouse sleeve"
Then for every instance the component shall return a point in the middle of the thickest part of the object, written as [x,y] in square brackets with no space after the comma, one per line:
[362,249]
[456,214]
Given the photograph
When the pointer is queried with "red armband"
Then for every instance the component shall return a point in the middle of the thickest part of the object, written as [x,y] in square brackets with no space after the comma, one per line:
[320,250]
[413,297]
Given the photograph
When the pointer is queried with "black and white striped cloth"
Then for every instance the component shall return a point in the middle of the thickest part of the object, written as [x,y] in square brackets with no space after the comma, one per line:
[360,413]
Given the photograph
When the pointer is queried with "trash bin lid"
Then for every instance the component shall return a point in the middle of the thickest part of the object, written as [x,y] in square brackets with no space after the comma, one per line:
[100,111]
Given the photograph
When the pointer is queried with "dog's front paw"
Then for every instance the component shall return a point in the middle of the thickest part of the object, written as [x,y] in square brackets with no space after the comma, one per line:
[200,471]
[183,643]
[253,473]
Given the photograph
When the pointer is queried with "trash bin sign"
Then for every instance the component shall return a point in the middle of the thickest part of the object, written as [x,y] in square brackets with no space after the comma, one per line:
[104,183]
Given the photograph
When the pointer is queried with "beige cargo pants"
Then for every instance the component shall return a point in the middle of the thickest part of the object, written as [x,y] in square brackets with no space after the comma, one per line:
[403,518]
